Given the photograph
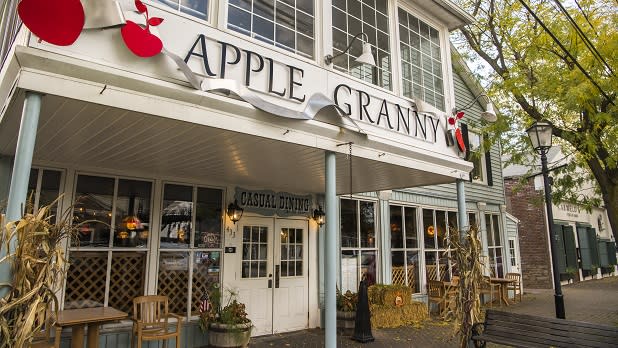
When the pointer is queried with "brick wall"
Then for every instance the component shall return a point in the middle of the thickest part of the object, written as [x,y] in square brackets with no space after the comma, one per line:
[526,204]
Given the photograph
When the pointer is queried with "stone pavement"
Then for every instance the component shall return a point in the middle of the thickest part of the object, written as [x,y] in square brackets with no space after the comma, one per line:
[592,301]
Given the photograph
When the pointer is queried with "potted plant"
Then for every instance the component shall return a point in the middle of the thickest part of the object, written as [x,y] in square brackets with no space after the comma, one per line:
[346,311]
[227,325]
[571,272]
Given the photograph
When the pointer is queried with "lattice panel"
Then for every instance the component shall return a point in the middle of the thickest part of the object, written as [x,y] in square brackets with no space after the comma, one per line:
[201,282]
[86,280]
[173,284]
[399,276]
[127,279]
[432,272]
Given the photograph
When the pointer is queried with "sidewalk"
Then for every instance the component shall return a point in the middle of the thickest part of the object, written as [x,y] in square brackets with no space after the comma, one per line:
[592,301]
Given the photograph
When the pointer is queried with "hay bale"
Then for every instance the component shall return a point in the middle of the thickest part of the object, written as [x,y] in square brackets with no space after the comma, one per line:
[387,316]
[381,294]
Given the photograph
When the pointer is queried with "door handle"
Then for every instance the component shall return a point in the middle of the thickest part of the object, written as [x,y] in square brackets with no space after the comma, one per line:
[270,281]
[277,270]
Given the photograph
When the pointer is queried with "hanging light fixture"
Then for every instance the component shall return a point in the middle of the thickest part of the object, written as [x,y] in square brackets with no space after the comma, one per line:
[488,114]
[319,216]
[234,211]
[365,58]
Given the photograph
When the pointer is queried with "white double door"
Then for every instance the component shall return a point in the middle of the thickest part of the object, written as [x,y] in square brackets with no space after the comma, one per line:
[272,277]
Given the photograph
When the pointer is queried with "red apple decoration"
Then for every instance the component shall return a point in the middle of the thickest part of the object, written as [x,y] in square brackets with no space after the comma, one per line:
[58,22]
[140,40]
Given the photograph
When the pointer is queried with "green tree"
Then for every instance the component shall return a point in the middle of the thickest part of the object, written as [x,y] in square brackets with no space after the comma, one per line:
[533,78]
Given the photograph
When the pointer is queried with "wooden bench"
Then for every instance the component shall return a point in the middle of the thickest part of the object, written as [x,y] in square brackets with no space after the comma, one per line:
[521,330]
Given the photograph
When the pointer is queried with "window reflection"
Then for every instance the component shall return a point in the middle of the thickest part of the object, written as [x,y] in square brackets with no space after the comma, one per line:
[93,210]
[176,216]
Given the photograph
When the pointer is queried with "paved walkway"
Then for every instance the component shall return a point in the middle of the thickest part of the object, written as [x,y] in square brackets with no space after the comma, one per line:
[593,301]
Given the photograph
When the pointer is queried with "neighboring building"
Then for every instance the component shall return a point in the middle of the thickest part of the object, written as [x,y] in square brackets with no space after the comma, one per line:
[585,242]
[252,119]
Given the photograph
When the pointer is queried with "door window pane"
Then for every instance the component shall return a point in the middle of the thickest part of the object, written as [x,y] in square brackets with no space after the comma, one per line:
[206,271]
[176,216]
[279,23]
[255,251]
[349,270]
[430,87]
[396,227]
[208,218]
[429,229]
[132,215]
[94,209]
[349,223]
[370,18]
[291,252]
[367,224]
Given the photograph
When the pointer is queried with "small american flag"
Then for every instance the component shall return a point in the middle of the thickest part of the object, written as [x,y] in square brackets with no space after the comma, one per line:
[205,304]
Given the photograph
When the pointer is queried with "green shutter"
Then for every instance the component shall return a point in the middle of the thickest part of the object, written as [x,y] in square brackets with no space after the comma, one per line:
[603,259]
[569,247]
[611,253]
[584,247]
[594,250]
[559,240]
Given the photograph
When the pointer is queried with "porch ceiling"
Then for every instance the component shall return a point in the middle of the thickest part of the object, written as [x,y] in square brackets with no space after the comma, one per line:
[74,133]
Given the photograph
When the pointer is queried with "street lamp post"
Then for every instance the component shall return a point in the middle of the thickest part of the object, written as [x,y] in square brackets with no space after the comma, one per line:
[540,134]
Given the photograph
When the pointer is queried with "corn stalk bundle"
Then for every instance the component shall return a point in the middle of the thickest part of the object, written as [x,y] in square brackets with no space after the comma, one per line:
[466,309]
[38,267]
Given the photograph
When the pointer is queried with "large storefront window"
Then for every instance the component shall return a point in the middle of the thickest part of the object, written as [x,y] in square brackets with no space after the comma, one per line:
[370,17]
[404,246]
[437,262]
[358,243]
[190,245]
[494,245]
[421,60]
[288,24]
[195,8]
[108,265]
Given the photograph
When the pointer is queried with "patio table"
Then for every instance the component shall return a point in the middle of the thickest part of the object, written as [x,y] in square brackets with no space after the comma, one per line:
[503,282]
[78,319]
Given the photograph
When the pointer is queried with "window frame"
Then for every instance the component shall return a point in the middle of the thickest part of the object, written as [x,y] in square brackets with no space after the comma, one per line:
[190,250]
[437,250]
[419,249]
[110,249]
[211,9]
[392,86]
[224,25]
[358,250]
[491,244]
[443,35]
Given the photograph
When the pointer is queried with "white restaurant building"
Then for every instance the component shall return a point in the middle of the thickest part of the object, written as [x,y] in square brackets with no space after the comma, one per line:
[256,116]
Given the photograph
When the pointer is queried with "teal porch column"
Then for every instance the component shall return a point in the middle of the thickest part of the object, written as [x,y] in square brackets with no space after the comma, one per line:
[21,172]
[330,252]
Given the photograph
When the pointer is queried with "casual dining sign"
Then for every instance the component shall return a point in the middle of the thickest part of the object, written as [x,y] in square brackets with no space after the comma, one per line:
[267,202]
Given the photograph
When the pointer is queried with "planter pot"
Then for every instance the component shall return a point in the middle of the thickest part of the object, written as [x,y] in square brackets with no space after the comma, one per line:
[345,322]
[223,335]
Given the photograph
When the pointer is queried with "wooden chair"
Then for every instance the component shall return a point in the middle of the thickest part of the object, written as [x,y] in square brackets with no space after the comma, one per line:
[493,290]
[436,294]
[151,321]
[515,286]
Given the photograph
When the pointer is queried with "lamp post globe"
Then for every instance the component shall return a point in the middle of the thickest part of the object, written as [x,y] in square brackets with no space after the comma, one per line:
[540,134]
